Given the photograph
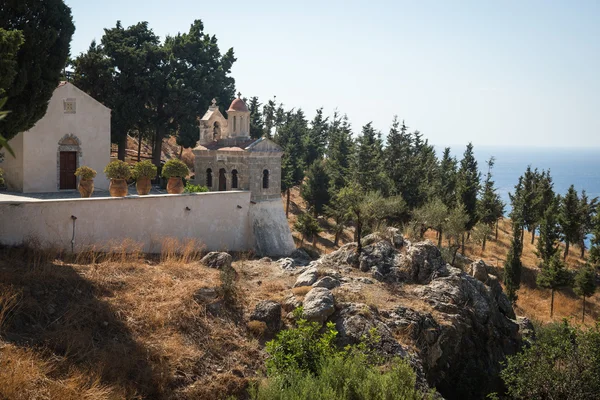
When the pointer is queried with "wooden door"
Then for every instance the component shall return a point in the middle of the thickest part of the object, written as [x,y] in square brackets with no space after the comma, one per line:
[222,180]
[68,165]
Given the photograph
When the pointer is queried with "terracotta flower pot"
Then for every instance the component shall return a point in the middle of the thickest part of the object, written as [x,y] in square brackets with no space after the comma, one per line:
[86,187]
[118,188]
[143,186]
[175,185]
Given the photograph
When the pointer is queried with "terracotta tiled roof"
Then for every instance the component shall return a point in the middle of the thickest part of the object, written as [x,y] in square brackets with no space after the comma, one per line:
[238,105]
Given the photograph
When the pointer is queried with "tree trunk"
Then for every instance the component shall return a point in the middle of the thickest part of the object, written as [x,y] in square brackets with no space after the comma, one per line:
[483,244]
[583,312]
[497,223]
[140,146]
[582,248]
[566,249]
[440,238]
[358,234]
[157,150]
[468,235]
[314,243]
[454,255]
[122,146]
[532,235]
[287,203]
[522,235]
[336,239]
[180,152]
[463,243]
[552,304]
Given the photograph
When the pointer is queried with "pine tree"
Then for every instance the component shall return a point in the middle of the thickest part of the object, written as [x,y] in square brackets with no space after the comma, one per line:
[397,155]
[307,226]
[269,117]
[513,266]
[315,141]
[292,164]
[529,213]
[585,285]
[10,42]
[517,206]
[569,219]
[315,188]
[257,129]
[553,276]
[339,153]
[46,28]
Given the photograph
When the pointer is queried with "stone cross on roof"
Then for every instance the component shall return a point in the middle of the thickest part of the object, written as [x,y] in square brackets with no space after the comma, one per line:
[239,94]
[214,102]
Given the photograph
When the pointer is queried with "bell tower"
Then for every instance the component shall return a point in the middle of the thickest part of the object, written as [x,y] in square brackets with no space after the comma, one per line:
[238,118]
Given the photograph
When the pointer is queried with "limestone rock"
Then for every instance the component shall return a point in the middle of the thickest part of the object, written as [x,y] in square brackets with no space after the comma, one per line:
[327,282]
[287,264]
[301,257]
[216,259]
[426,262]
[345,255]
[395,237]
[291,302]
[318,305]
[269,312]
[265,260]
[478,270]
[307,278]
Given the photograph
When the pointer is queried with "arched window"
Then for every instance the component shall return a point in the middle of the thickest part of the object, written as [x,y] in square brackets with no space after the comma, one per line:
[209,177]
[266,179]
[234,179]
[222,180]
[234,123]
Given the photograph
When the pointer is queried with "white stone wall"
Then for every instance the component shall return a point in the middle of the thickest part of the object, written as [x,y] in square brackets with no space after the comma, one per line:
[13,166]
[271,231]
[221,221]
[38,154]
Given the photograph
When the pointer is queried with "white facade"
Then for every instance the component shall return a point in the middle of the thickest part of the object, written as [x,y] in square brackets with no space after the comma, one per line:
[74,123]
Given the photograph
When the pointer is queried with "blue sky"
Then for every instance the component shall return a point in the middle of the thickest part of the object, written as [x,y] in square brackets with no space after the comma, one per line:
[497,73]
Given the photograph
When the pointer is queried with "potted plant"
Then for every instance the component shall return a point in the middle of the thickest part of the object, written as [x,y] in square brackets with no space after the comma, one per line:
[118,172]
[143,172]
[174,170]
[86,180]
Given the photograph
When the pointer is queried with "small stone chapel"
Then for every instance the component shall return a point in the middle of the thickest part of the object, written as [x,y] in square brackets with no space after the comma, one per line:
[227,158]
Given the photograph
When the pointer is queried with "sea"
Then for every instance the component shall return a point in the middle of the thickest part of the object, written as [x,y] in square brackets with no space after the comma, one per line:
[568,166]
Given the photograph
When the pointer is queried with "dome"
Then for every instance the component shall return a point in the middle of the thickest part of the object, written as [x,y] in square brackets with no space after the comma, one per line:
[238,105]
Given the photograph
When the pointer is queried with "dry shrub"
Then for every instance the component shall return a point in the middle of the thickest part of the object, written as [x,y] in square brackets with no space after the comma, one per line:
[301,290]
[188,158]
[9,300]
[24,375]
[257,328]
[125,251]
[173,251]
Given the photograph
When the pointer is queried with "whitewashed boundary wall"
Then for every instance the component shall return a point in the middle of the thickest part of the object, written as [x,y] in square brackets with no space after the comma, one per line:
[220,221]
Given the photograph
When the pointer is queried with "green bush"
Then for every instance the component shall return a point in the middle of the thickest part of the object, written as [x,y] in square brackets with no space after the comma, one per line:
[562,363]
[304,364]
[1,177]
[175,168]
[144,169]
[117,170]
[190,188]
[85,173]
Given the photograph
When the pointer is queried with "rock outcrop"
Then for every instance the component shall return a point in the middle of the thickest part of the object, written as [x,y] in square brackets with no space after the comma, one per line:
[318,305]
[269,312]
[459,336]
[216,259]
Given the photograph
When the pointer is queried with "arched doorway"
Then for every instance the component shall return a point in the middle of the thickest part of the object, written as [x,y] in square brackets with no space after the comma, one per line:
[209,178]
[222,180]
[67,161]
[234,179]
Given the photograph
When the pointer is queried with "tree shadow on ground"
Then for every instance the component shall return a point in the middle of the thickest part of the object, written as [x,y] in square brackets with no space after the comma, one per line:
[62,313]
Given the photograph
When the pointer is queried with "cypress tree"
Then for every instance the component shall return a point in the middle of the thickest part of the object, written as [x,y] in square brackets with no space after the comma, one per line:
[585,285]
[468,184]
[594,255]
[490,207]
[553,275]
[547,245]
[315,188]
[257,129]
[10,42]
[292,164]
[47,28]
[339,153]
[569,218]
[513,266]
[447,178]
[315,141]
[368,168]
[587,209]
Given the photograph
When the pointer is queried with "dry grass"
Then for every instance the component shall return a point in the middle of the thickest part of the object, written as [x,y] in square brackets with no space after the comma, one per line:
[257,328]
[301,290]
[119,325]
